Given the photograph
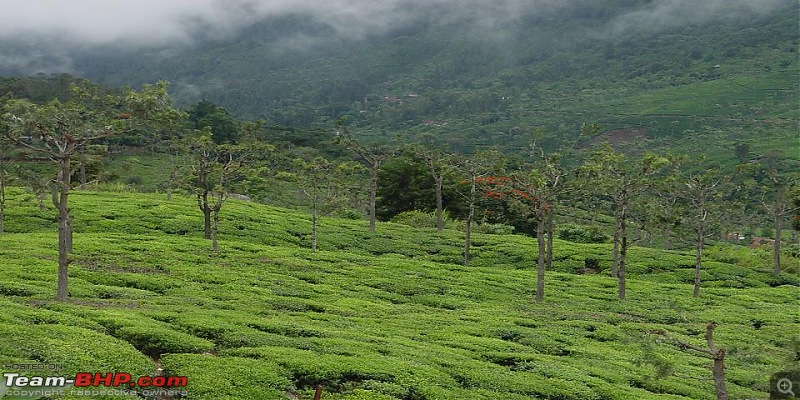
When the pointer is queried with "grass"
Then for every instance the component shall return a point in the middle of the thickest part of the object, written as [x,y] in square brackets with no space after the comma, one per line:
[389,315]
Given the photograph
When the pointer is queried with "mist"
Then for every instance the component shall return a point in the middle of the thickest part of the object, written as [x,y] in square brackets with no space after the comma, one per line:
[666,14]
[46,35]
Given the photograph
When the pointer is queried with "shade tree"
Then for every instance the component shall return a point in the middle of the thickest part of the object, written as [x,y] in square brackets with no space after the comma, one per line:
[774,183]
[223,127]
[701,195]
[4,177]
[529,195]
[315,175]
[475,167]
[218,170]
[372,156]
[620,179]
[59,129]
[439,162]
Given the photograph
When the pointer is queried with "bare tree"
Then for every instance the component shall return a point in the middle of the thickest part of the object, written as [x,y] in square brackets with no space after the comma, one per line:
[717,355]
[665,368]
[315,173]
[554,175]
[662,207]
[219,168]
[3,179]
[701,192]
[214,170]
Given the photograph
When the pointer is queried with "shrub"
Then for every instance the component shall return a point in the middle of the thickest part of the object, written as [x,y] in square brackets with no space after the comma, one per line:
[415,218]
[423,219]
[350,214]
[228,377]
[134,180]
[152,340]
[581,234]
[494,229]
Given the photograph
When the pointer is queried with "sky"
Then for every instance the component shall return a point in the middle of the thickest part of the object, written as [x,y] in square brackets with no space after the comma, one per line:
[50,29]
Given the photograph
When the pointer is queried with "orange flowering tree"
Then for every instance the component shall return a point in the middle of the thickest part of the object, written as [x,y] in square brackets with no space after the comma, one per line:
[522,196]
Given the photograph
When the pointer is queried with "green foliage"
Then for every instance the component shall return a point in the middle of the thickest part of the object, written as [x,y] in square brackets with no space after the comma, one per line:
[404,184]
[154,341]
[675,79]
[424,220]
[223,126]
[581,234]
[493,229]
[243,378]
[386,315]
[415,218]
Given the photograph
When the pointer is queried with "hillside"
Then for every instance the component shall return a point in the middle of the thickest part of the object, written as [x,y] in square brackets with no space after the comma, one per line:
[390,315]
[477,81]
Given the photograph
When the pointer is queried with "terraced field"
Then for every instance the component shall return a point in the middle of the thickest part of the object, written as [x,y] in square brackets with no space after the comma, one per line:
[389,315]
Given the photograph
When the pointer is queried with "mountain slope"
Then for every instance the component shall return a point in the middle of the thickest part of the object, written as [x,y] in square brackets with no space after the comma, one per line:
[480,83]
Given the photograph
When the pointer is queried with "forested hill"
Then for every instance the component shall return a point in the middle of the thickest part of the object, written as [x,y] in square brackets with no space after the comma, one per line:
[483,77]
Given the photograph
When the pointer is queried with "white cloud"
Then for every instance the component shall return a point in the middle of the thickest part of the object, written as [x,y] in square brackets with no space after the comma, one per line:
[664,14]
[159,22]
[35,34]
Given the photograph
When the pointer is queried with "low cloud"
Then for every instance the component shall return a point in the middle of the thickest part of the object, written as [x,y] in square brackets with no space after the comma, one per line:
[159,22]
[42,35]
[665,14]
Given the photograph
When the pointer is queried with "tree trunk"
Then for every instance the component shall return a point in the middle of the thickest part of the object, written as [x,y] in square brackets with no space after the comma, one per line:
[621,272]
[202,203]
[2,196]
[218,202]
[373,194]
[666,236]
[214,228]
[2,191]
[173,175]
[549,260]
[623,248]
[718,355]
[616,239]
[40,196]
[718,369]
[470,215]
[699,252]
[776,247]
[83,173]
[439,202]
[314,223]
[541,259]
[64,226]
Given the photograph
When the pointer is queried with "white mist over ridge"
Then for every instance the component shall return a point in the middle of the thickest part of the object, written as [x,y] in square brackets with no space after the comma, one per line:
[44,35]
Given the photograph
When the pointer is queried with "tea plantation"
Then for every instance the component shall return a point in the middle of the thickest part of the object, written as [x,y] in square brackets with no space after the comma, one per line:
[389,315]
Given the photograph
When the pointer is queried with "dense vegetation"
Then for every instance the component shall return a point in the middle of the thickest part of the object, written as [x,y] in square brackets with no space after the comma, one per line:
[525,179]
[476,84]
[391,315]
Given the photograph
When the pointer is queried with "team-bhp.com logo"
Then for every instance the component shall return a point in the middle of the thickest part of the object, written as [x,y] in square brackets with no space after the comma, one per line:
[86,383]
